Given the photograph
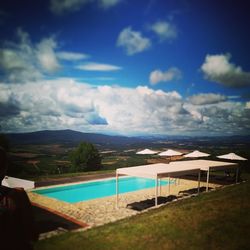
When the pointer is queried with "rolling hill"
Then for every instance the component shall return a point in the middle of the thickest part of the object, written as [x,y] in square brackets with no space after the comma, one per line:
[69,136]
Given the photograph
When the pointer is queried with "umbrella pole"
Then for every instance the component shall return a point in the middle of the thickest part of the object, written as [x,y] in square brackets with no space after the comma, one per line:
[169,185]
[160,186]
[207,179]
[117,190]
[156,190]
[237,174]
[199,179]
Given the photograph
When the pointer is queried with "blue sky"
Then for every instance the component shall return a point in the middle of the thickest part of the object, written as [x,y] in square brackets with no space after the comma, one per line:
[125,67]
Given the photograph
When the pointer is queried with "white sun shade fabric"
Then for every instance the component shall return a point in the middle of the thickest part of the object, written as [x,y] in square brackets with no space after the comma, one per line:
[196,154]
[170,152]
[158,170]
[146,152]
[205,164]
[232,156]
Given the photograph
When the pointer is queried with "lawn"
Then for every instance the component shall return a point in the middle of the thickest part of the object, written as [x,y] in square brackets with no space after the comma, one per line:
[215,220]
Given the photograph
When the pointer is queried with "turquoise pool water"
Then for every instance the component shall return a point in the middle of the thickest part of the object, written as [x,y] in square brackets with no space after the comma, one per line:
[97,189]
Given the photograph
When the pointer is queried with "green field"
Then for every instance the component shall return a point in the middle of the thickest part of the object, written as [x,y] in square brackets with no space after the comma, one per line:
[215,220]
[43,161]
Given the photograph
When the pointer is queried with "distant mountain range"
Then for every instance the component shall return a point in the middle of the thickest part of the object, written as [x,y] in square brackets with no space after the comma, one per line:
[74,137]
[69,136]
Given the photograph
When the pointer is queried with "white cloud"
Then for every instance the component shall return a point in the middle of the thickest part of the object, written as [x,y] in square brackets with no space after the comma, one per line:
[46,55]
[24,61]
[132,41]
[71,56]
[98,67]
[207,98]
[247,105]
[59,7]
[217,68]
[18,61]
[66,103]
[10,60]
[165,30]
[222,118]
[105,4]
[157,76]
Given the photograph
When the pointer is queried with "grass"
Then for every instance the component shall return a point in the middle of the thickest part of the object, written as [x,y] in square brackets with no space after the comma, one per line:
[215,220]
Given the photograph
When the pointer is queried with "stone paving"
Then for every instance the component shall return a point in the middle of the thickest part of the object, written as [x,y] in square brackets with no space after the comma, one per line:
[103,210]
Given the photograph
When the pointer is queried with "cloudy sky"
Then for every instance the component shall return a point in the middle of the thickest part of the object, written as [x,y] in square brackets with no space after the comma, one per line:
[141,67]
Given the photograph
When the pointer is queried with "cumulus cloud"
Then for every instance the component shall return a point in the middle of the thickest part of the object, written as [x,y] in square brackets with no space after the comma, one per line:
[46,55]
[48,105]
[18,61]
[157,76]
[105,4]
[207,98]
[217,68]
[98,67]
[24,61]
[66,103]
[224,118]
[164,30]
[71,56]
[60,7]
[132,41]
[247,105]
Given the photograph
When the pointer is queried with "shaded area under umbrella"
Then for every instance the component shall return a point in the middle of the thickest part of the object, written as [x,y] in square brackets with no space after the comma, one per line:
[232,157]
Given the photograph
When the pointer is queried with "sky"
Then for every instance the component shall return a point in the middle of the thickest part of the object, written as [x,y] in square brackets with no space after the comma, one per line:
[141,67]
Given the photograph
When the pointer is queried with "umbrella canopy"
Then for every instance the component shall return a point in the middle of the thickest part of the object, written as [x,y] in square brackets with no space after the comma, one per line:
[232,156]
[146,152]
[170,152]
[196,154]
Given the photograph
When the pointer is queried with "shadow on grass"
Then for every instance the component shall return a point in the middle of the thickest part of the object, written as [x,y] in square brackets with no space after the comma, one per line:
[46,221]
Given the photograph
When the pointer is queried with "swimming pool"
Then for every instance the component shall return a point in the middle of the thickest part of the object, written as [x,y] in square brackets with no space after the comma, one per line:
[97,189]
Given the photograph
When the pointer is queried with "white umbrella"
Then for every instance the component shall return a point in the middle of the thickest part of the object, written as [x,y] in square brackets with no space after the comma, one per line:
[232,156]
[146,152]
[170,152]
[196,154]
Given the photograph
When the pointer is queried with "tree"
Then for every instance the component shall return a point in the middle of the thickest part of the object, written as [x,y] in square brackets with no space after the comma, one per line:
[85,157]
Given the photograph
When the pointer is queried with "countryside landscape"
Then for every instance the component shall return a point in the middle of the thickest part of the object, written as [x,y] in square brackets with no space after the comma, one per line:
[124,124]
[44,157]
[41,154]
